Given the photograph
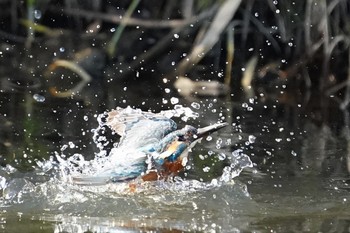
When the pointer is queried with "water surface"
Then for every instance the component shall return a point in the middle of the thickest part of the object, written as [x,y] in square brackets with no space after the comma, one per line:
[299,182]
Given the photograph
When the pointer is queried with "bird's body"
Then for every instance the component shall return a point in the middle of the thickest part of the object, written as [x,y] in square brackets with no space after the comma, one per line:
[150,147]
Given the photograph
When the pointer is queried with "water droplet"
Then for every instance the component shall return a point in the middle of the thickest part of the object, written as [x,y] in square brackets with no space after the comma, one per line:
[71,145]
[174,100]
[39,98]
[37,14]
[218,143]
[222,156]
[209,138]
[206,169]
[64,147]
[278,139]
[176,36]
[62,49]
[184,118]
[251,139]
[3,182]
[293,153]
[167,90]
[184,161]
[195,105]
[86,118]
[214,182]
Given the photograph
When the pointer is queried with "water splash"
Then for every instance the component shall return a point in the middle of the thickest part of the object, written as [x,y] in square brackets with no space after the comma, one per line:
[77,165]
[51,182]
[48,193]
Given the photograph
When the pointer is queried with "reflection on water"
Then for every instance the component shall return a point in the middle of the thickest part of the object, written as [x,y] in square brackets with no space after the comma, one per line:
[299,182]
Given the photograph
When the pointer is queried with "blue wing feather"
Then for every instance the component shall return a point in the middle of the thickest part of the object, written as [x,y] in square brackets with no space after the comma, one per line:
[141,134]
[139,129]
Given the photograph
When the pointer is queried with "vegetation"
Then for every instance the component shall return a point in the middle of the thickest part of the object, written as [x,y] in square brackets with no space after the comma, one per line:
[305,43]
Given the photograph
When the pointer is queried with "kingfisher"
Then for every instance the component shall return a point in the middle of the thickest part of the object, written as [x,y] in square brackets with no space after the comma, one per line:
[150,148]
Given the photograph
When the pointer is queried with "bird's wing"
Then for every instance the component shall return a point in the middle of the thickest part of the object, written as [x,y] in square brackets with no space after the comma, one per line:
[138,128]
[105,178]
[96,180]
[120,166]
[141,132]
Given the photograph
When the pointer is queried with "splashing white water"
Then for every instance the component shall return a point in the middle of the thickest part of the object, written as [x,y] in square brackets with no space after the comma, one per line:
[77,165]
[52,178]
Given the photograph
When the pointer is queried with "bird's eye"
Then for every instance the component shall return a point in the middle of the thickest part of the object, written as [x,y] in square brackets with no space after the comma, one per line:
[181,138]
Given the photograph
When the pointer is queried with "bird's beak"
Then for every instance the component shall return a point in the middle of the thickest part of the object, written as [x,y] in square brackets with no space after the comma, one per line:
[202,132]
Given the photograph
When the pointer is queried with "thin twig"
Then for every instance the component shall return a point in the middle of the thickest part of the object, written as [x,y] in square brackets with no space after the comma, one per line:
[85,77]
[217,26]
[266,32]
[112,46]
[346,101]
[160,45]
[280,20]
[245,23]
[117,19]
[230,54]
[307,26]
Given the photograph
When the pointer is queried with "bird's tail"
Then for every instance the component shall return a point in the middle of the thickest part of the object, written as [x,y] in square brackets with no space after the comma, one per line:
[91,180]
[104,178]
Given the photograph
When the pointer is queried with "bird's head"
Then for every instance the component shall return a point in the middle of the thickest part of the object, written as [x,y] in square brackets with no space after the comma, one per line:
[188,134]
[177,144]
